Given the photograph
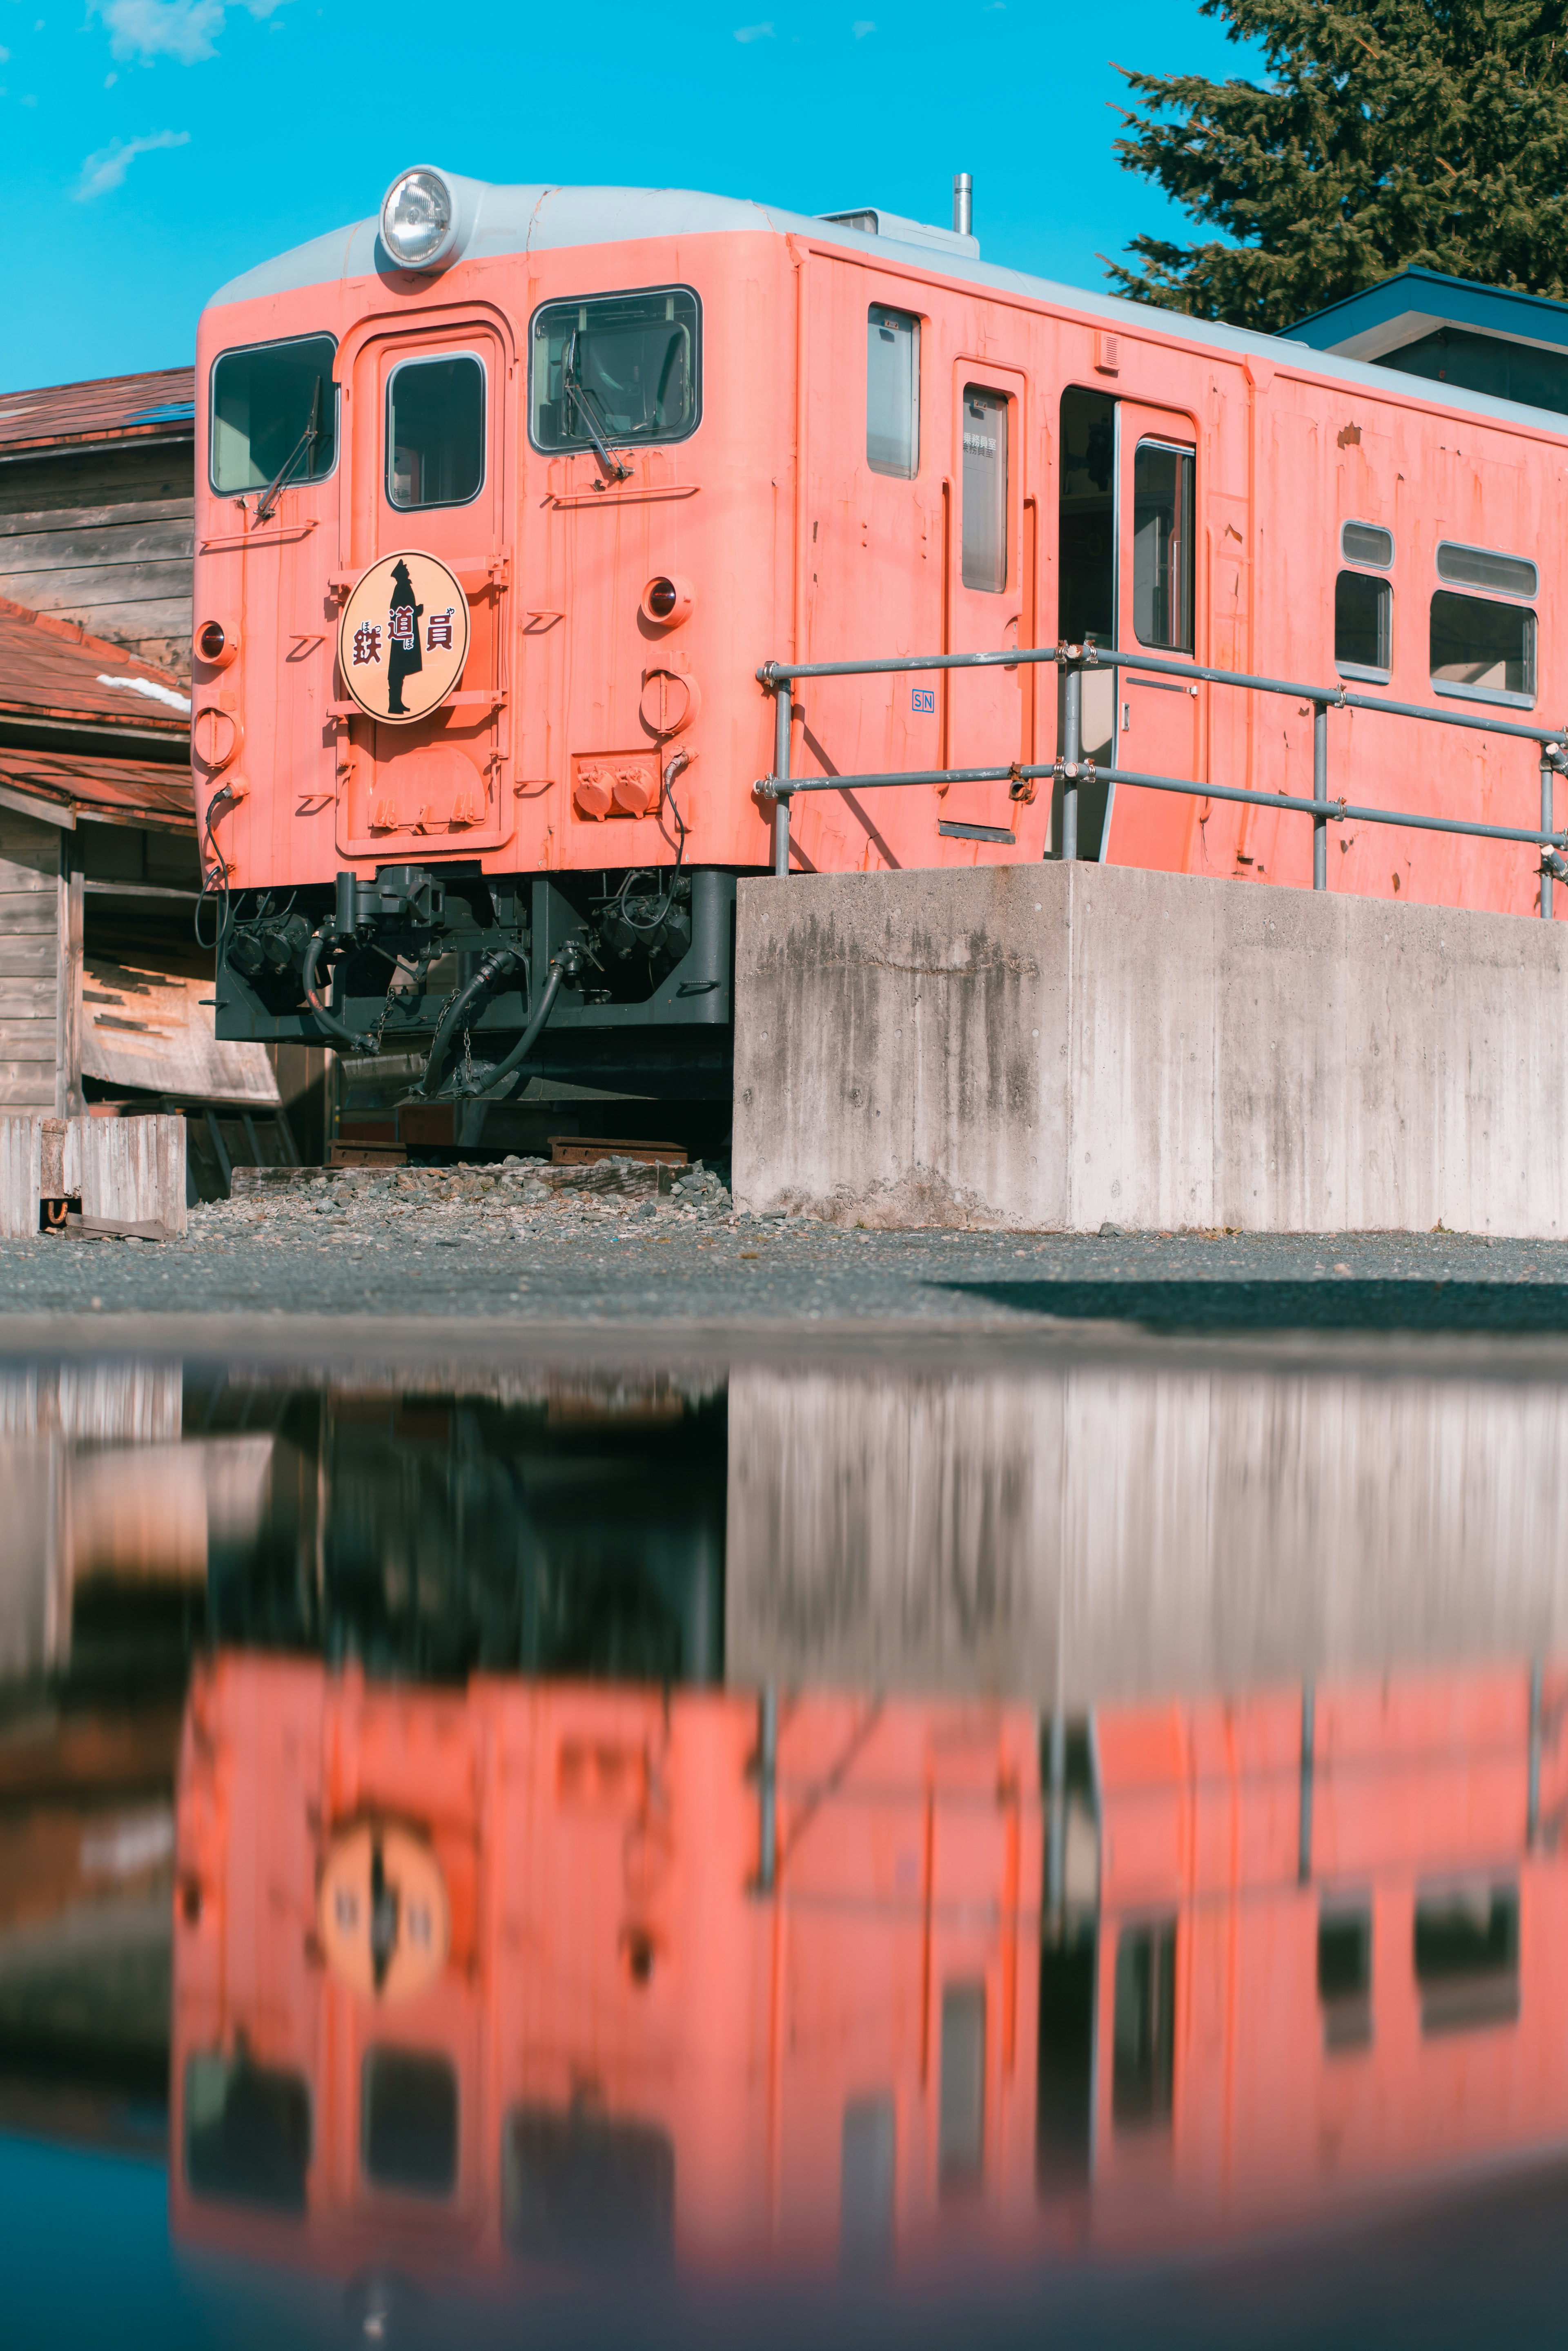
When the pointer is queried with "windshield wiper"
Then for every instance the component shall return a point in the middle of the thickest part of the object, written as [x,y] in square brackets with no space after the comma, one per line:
[305,444]
[616,467]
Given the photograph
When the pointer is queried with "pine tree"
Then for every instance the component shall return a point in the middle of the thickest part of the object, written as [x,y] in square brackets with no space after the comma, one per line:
[1388,133]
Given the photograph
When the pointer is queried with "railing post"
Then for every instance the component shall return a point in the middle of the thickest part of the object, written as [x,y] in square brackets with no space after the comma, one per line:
[768,1785]
[783,719]
[1320,792]
[1548,773]
[1072,752]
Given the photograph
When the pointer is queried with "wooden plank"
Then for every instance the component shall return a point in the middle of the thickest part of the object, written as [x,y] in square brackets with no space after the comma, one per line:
[87,586]
[69,1102]
[29,849]
[68,480]
[28,914]
[134,510]
[94,550]
[27,998]
[27,1040]
[29,958]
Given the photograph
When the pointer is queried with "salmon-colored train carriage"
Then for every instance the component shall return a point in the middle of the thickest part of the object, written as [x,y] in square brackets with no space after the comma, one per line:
[505,498]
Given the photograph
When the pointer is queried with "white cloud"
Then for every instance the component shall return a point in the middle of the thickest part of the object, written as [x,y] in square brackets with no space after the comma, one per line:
[755,32]
[104,171]
[863,24]
[185,30]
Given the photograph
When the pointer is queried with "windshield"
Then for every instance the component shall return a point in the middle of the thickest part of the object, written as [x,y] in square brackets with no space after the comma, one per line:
[624,368]
[262,408]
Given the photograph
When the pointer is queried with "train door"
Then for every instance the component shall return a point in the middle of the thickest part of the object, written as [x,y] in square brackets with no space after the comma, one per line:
[1158,717]
[430,449]
[986,599]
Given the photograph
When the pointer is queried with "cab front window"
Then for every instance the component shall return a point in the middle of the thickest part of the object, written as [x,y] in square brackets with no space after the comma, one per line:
[265,401]
[616,370]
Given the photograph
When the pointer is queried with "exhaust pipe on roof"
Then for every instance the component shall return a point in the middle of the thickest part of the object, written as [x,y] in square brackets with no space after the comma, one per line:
[963,203]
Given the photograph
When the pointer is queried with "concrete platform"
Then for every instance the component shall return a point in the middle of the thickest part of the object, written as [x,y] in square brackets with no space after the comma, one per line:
[1054,1047]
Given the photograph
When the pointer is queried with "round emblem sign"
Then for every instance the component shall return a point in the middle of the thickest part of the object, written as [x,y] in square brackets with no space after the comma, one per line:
[403,637]
[381,1911]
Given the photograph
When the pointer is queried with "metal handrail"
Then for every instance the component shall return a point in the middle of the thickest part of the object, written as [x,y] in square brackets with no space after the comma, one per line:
[1070,768]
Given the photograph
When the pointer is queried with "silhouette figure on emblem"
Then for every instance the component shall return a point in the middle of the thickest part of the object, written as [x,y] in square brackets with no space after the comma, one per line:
[404,655]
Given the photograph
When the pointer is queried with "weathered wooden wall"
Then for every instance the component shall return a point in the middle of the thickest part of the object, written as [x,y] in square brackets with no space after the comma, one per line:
[40,969]
[103,535]
[127,1170]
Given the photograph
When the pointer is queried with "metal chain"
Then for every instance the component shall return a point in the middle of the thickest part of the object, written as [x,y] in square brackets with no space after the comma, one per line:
[467,1063]
[372,1037]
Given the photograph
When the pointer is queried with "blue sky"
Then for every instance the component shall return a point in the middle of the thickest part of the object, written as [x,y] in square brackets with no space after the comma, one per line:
[151,148]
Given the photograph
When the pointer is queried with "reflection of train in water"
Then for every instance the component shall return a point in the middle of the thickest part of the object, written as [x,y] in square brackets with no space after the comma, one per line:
[551,1972]
[504,499]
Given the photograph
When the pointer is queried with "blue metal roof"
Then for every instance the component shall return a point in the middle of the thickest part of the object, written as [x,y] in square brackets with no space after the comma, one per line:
[1418,302]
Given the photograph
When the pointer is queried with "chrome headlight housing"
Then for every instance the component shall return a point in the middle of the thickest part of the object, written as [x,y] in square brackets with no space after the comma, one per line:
[419,219]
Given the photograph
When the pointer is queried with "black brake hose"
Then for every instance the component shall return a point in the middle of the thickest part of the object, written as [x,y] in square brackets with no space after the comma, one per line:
[329,1020]
[494,967]
[520,1051]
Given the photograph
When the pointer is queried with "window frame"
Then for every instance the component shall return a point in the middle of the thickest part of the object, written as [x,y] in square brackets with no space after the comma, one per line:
[275,343]
[1350,562]
[1362,672]
[617,294]
[1497,696]
[916,319]
[435,358]
[1487,590]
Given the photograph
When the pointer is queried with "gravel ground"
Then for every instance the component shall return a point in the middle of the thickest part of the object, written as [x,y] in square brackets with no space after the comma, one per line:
[509,1242]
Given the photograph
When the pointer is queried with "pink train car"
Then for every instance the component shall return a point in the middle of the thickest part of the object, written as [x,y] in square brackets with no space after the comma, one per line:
[505,498]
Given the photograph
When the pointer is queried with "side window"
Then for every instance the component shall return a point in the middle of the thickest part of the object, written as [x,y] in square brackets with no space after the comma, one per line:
[1466,1955]
[435,432]
[1143,2067]
[1162,572]
[409,2121]
[263,400]
[248,2132]
[624,368]
[1363,627]
[1481,650]
[983,553]
[1344,1977]
[892,392]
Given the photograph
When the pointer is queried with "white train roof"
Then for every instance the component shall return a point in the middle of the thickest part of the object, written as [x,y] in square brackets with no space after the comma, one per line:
[497,220]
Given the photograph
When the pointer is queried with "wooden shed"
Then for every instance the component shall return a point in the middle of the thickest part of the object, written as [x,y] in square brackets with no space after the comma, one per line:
[104,993]
[97,495]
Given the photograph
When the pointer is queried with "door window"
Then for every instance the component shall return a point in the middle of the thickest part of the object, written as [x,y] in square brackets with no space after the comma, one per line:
[1163,479]
[435,432]
[983,552]
[892,392]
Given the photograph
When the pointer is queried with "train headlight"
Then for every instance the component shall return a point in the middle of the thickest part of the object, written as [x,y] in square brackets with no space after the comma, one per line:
[419,219]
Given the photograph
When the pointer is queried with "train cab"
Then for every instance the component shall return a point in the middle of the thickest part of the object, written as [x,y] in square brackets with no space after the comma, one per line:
[511,500]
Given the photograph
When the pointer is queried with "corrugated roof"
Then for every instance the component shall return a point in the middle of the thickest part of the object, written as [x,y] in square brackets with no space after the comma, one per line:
[124,789]
[51,669]
[111,408]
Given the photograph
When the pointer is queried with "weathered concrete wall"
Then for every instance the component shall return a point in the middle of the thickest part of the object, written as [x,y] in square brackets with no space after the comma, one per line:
[1126,1533]
[1053,1047]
